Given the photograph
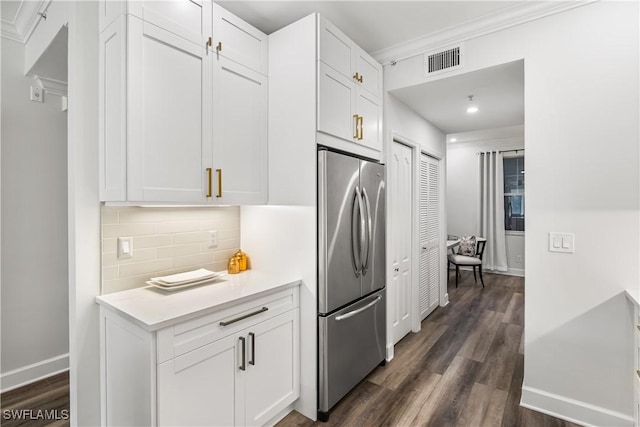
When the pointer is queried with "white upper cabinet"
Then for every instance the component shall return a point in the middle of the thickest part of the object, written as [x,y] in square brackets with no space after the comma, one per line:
[349,93]
[336,50]
[240,111]
[238,41]
[169,110]
[336,103]
[239,134]
[369,73]
[183,104]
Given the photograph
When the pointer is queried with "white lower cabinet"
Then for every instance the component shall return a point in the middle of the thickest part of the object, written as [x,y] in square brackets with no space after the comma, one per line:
[244,372]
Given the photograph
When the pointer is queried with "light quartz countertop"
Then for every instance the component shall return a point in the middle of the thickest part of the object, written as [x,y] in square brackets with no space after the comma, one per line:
[633,295]
[154,309]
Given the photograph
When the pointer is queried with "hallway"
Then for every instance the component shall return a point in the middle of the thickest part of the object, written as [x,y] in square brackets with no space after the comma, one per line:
[464,368]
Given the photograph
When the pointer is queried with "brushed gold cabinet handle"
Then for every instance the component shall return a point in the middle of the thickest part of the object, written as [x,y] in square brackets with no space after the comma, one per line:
[209,171]
[360,78]
[219,171]
[208,44]
[361,121]
[355,127]
[219,47]
[357,77]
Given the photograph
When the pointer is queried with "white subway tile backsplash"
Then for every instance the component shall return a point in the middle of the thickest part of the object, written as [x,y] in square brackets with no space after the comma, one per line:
[116,230]
[153,241]
[177,227]
[110,273]
[139,255]
[165,241]
[184,238]
[180,250]
[109,217]
[195,260]
[145,267]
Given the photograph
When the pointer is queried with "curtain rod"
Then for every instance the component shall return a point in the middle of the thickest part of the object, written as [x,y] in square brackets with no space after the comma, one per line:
[500,151]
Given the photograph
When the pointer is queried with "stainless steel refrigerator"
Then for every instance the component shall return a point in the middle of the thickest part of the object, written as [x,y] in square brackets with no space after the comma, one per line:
[351,273]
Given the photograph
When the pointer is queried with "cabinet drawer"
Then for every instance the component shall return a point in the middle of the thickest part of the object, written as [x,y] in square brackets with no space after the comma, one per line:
[190,335]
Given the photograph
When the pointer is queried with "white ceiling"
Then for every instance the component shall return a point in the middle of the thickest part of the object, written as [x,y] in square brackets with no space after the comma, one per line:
[373,25]
[498,92]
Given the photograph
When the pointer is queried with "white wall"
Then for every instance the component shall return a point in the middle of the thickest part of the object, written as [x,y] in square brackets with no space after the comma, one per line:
[408,124]
[462,189]
[35,325]
[408,127]
[283,239]
[582,163]
[84,214]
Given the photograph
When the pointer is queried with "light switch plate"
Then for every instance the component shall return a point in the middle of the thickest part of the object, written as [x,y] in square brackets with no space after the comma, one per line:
[561,242]
[125,247]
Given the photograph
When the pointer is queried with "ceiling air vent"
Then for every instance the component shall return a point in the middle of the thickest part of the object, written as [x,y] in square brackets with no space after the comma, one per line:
[443,60]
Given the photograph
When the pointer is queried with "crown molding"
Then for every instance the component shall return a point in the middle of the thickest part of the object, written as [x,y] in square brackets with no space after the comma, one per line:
[500,20]
[23,24]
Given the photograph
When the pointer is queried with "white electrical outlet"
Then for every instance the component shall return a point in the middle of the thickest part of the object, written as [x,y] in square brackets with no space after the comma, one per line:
[213,238]
[125,247]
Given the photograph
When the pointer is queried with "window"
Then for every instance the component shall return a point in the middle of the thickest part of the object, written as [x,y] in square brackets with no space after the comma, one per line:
[514,193]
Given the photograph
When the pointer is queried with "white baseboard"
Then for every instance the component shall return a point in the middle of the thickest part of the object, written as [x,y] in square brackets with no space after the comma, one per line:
[572,410]
[510,272]
[390,349]
[445,300]
[31,373]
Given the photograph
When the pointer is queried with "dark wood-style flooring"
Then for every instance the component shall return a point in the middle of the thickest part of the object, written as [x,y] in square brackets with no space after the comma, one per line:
[464,368]
[45,398]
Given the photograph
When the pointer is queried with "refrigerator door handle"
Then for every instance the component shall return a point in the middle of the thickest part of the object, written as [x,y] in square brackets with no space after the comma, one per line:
[356,232]
[360,310]
[367,254]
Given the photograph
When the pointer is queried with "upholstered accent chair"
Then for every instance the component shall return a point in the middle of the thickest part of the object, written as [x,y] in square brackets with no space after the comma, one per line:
[469,261]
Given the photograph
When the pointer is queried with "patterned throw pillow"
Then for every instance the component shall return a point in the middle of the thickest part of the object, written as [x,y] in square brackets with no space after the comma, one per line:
[467,246]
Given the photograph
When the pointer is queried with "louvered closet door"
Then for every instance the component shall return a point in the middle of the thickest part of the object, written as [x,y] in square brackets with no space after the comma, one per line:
[429,286]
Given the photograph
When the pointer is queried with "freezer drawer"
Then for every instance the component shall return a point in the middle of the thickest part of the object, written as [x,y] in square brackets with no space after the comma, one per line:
[352,344]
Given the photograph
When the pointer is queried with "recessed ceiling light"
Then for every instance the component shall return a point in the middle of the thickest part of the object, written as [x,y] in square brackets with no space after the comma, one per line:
[453,140]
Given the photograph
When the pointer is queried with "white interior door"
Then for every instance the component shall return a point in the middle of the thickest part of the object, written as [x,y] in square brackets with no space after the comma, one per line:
[429,211]
[400,207]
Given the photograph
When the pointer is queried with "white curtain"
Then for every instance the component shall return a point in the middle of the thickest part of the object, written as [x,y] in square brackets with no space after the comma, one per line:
[491,210]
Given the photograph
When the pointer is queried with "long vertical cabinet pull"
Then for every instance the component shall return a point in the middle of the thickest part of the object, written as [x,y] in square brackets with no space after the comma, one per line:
[361,122]
[209,178]
[252,336]
[243,365]
[355,126]
[219,171]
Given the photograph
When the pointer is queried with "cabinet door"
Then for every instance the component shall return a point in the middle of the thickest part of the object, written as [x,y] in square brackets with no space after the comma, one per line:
[370,72]
[185,18]
[336,104]
[272,378]
[169,114]
[336,49]
[369,108]
[112,111]
[238,41]
[239,134]
[199,388]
